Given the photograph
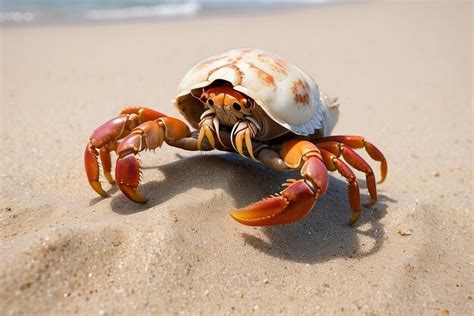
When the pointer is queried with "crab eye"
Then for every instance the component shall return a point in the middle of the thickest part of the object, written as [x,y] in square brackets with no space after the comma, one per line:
[236,106]
[210,102]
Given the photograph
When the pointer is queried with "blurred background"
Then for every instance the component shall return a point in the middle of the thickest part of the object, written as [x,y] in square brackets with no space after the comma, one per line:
[99,11]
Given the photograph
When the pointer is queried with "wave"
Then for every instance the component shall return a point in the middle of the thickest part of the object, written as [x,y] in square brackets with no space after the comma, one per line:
[140,12]
[54,12]
[17,17]
[14,12]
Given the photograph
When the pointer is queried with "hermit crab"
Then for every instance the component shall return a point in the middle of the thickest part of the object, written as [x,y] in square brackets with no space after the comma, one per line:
[251,102]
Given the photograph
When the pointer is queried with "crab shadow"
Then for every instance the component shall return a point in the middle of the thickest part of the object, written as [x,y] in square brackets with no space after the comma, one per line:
[322,235]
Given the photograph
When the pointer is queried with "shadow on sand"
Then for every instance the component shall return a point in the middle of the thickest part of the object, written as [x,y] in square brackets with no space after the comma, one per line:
[322,235]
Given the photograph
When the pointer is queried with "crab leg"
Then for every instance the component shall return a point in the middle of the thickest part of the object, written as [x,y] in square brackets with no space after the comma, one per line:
[294,202]
[244,131]
[356,161]
[333,163]
[104,139]
[357,142]
[208,127]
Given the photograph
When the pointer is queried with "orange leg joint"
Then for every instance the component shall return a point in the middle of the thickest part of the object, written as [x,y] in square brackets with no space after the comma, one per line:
[294,202]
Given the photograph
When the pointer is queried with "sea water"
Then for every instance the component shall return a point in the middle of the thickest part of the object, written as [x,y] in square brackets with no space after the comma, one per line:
[23,12]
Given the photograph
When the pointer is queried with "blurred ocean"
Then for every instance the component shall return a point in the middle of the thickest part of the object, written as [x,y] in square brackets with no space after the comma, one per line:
[21,12]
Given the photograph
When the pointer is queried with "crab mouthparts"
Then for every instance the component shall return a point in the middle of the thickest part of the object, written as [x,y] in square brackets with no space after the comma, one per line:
[226,117]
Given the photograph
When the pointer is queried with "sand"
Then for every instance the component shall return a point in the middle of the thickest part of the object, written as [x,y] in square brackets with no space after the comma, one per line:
[403,73]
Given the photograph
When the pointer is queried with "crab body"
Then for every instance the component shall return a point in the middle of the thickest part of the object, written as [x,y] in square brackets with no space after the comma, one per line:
[252,102]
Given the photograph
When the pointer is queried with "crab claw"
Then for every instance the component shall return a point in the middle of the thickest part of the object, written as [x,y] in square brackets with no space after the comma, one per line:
[127,174]
[292,204]
[92,169]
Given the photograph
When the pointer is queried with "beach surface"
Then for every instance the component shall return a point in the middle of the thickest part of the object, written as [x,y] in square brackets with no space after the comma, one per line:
[403,75]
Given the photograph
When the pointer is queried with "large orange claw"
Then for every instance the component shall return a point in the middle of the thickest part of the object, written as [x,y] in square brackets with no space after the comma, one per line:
[127,175]
[298,198]
[92,169]
[105,138]
[293,204]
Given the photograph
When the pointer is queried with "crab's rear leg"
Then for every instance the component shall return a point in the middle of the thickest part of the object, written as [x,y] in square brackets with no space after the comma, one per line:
[333,163]
[104,139]
[357,142]
[294,202]
[354,160]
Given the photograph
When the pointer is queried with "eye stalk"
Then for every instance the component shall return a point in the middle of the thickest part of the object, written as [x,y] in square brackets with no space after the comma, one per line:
[247,103]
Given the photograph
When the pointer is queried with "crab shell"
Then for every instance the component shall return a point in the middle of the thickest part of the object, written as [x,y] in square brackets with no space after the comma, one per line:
[287,99]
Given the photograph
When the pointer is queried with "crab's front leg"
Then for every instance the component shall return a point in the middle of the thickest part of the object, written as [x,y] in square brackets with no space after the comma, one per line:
[149,135]
[105,138]
[244,131]
[294,202]
[208,127]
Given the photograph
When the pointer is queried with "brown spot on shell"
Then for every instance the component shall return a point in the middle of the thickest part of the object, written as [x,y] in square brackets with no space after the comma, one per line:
[280,66]
[234,60]
[300,91]
[264,76]
[263,57]
[277,64]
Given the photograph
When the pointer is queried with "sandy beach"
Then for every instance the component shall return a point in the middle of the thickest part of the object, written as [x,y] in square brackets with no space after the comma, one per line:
[403,75]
